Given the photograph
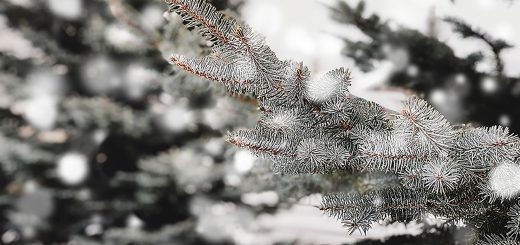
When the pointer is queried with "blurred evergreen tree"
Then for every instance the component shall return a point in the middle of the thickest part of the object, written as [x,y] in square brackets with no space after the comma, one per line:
[430,68]
[102,141]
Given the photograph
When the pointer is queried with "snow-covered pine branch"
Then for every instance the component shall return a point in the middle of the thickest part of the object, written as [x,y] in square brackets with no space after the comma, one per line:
[318,126]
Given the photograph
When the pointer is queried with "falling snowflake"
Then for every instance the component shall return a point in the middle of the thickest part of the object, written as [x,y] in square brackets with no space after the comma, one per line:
[504,180]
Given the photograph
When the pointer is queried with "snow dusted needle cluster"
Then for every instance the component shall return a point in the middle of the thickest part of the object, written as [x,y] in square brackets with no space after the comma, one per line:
[313,126]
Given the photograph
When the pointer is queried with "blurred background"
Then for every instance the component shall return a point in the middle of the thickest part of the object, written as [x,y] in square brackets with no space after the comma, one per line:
[103,142]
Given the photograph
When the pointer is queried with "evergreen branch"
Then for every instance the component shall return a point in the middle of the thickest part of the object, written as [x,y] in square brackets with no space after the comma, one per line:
[316,155]
[234,77]
[232,41]
[419,119]
[481,148]
[496,240]
[209,22]
[496,45]
[213,69]
[284,120]
[514,221]
[356,212]
[263,142]
[405,205]
[320,127]
[333,84]
[129,16]
[385,151]
[441,175]
[370,114]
